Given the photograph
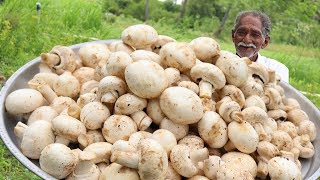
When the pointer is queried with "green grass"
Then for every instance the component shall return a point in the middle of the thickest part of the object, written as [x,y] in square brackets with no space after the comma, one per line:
[70,22]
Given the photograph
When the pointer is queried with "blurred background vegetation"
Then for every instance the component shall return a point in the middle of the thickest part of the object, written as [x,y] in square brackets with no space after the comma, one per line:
[26,32]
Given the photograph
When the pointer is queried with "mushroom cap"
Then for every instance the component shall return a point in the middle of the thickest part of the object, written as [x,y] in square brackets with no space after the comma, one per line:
[240,162]
[67,85]
[153,162]
[210,73]
[288,127]
[259,71]
[68,127]
[92,53]
[84,74]
[66,58]
[309,128]
[213,129]
[179,130]
[267,150]
[129,103]
[251,87]
[145,55]
[296,116]
[41,78]
[111,84]
[255,100]
[88,86]
[254,115]
[181,105]
[160,42]
[94,114]
[118,172]
[194,142]
[42,113]
[178,55]
[205,48]
[190,85]
[120,46]
[118,127]
[283,168]
[23,101]
[117,63]
[139,36]
[146,79]
[234,69]
[282,140]
[57,160]
[165,138]
[211,166]
[181,162]
[154,111]
[34,141]
[61,103]
[102,151]
[243,136]
[234,92]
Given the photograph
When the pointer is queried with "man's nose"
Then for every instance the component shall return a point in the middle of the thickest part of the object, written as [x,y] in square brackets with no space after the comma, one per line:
[247,38]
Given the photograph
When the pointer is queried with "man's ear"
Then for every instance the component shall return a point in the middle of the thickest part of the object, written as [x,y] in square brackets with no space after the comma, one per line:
[266,42]
[232,34]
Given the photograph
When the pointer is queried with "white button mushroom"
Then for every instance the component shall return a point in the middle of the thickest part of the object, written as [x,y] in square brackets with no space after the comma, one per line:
[130,104]
[165,138]
[139,36]
[235,69]
[34,141]
[178,55]
[92,136]
[145,55]
[283,168]
[151,159]
[85,168]
[146,79]
[110,89]
[57,160]
[118,127]
[102,151]
[160,42]
[116,64]
[154,111]
[205,48]
[60,59]
[46,113]
[116,46]
[84,74]
[67,85]
[309,128]
[42,78]
[92,53]
[209,77]
[68,128]
[118,172]
[213,129]
[181,105]
[93,115]
[23,101]
[179,130]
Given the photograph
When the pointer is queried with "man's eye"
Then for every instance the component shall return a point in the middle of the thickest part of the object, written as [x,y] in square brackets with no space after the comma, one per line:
[241,33]
[256,35]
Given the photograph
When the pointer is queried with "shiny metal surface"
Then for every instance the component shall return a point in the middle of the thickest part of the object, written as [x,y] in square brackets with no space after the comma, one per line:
[310,167]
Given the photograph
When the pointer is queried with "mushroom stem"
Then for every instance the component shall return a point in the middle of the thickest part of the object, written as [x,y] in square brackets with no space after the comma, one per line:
[50,59]
[62,140]
[47,92]
[85,162]
[199,155]
[74,111]
[236,116]
[19,129]
[206,89]
[128,159]
[110,97]
[142,120]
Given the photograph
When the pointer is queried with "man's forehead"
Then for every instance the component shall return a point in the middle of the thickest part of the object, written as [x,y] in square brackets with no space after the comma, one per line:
[251,22]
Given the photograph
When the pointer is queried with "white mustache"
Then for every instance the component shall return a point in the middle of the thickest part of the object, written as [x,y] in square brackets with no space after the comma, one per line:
[246,45]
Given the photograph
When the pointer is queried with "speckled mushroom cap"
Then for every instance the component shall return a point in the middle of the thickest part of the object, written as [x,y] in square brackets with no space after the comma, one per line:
[205,48]
[181,105]
[146,79]
[139,36]
[178,55]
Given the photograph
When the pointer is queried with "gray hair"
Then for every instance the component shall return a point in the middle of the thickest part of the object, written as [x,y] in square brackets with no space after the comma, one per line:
[265,20]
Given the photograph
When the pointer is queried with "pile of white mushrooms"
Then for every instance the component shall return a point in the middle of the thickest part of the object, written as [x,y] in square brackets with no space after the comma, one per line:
[149,107]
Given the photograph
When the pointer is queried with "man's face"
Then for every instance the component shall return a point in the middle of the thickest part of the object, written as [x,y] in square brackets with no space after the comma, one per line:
[248,38]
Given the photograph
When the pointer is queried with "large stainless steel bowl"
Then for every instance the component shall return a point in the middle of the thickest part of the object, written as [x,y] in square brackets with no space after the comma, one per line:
[310,167]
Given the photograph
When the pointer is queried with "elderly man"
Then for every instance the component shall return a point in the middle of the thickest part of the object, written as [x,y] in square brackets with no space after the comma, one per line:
[250,34]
